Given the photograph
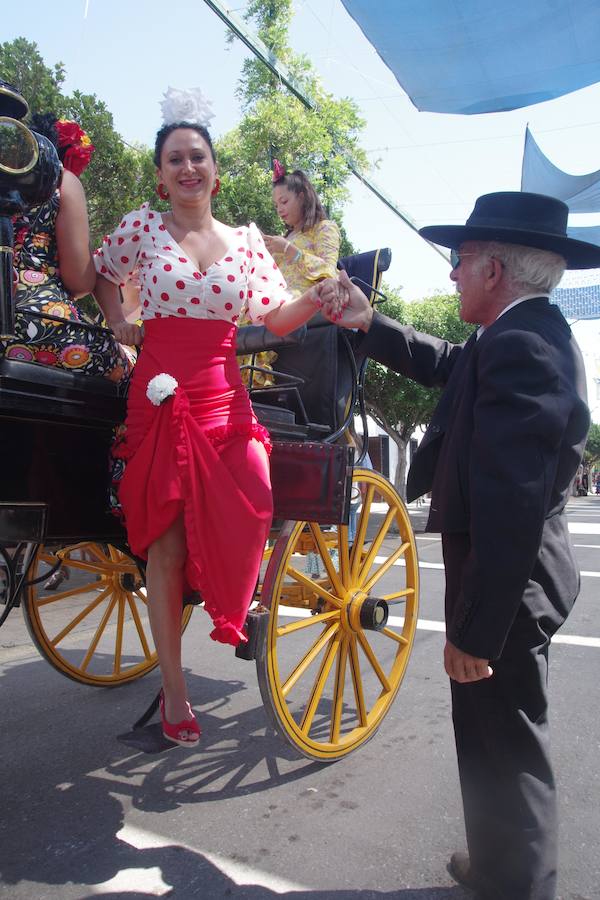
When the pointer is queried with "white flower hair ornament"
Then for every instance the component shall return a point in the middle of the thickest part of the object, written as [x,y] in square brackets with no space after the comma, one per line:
[160,387]
[186,106]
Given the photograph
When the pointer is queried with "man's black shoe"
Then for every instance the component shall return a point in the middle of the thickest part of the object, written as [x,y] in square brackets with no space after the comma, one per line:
[460,869]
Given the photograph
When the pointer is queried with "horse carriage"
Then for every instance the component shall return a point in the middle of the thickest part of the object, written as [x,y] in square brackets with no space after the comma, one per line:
[335,612]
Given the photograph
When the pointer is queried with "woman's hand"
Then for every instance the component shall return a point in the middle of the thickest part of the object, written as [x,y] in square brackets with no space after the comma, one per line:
[127,333]
[275,243]
[333,298]
[344,303]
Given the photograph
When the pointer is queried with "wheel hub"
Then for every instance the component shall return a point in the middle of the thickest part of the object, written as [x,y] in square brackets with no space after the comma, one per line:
[365,613]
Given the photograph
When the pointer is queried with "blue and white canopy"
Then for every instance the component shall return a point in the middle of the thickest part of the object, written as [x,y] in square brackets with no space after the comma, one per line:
[480,56]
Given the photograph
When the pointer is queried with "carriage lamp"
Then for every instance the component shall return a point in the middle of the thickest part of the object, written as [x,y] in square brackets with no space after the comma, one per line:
[29,173]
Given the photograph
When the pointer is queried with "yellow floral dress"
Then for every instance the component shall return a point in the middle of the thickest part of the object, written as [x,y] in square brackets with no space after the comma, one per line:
[319,252]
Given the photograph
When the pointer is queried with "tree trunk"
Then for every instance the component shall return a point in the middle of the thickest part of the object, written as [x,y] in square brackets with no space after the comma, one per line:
[400,477]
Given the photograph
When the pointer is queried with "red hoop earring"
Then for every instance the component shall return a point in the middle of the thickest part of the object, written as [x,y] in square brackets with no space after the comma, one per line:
[216,188]
[160,190]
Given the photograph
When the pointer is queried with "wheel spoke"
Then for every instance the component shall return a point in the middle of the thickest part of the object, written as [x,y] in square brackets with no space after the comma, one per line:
[383,568]
[359,537]
[98,634]
[344,554]
[399,596]
[95,550]
[319,684]
[314,586]
[327,562]
[306,660]
[377,542]
[307,622]
[139,593]
[400,639]
[72,592]
[139,627]
[338,699]
[79,618]
[357,683]
[368,650]
[119,635]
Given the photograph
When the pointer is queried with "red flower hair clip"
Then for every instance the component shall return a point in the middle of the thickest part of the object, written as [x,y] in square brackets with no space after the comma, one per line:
[278,170]
[75,146]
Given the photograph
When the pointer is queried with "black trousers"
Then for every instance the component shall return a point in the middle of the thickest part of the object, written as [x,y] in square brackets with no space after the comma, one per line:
[502,744]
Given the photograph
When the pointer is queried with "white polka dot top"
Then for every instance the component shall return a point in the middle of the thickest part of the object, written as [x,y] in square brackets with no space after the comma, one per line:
[245,279]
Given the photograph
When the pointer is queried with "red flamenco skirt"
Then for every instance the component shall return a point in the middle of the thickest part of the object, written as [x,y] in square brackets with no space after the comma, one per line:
[202,454]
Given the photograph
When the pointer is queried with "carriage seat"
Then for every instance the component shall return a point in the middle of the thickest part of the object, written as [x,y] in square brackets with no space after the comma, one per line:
[28,389]
[315,377]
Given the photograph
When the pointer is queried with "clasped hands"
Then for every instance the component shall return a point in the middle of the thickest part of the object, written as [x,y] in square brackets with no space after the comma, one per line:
[343,303]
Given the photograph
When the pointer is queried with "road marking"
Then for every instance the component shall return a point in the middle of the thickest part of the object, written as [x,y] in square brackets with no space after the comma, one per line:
[588,546]
[433,625]
[440,566]
[584,527]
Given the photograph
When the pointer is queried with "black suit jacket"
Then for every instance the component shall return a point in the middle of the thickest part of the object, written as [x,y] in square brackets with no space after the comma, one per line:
[499,456]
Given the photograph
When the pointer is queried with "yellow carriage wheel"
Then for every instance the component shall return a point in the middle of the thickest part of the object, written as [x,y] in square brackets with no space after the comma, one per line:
[94,626]
[342,622]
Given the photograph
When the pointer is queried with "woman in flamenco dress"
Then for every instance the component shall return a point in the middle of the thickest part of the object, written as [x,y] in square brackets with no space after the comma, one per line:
[54,267]
[196,492]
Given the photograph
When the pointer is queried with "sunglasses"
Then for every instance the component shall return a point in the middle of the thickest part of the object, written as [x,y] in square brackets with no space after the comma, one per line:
[456,258]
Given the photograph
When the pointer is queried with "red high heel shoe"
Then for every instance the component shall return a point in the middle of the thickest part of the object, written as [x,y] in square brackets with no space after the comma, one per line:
[174,731]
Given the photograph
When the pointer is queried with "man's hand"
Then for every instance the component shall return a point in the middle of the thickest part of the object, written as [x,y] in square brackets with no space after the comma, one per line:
[357,311]
[463,667]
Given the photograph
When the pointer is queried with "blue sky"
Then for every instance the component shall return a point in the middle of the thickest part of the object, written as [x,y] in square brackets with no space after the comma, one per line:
[433,166]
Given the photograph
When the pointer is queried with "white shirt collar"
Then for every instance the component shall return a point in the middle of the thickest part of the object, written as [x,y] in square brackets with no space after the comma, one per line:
[516,302]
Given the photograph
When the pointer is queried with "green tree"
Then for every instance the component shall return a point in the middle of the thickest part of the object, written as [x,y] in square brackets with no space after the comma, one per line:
[592,447]
[396,403]
[276,124]
[22,66]
[118,178]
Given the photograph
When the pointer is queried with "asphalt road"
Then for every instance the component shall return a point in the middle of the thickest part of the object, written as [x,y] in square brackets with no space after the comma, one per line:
[84,815]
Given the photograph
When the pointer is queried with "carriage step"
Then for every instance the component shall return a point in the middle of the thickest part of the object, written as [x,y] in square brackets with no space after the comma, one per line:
[257,623]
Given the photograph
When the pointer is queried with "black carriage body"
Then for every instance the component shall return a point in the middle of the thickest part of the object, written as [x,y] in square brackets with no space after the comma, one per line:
[57,430]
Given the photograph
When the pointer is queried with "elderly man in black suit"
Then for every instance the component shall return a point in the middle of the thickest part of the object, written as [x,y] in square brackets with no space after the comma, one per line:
[499,457]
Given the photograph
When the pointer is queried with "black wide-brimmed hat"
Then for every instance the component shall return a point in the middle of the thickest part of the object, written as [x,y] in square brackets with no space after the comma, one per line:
[516,217]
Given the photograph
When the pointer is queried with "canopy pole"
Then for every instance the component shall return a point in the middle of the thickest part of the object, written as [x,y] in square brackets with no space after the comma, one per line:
[266,56]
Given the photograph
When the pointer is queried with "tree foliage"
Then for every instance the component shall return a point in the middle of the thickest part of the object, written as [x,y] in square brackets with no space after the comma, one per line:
[118,178]
[276,124]
[397,404]
[21,64]
[592,447]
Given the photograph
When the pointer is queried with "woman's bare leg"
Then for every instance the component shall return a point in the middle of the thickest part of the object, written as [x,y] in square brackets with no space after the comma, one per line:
[164,582]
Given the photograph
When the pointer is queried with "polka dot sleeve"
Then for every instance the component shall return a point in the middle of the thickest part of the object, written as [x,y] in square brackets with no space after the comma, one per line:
[117,257]
[267,289]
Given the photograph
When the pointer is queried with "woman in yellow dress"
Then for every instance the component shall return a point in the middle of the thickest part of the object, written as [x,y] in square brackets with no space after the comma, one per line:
[309,251]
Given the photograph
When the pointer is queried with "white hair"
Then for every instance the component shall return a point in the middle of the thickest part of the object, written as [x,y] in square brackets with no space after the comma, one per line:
[527,269]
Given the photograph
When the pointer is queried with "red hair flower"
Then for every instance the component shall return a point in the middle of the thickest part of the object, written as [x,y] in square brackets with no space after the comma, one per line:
[76,159]
[278,170]
[76,145]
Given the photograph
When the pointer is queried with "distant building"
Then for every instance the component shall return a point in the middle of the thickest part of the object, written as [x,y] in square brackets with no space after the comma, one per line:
[578,298]
[578,302]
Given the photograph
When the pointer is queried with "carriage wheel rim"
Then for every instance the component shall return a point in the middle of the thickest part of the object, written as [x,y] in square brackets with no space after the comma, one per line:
[341,646]
[109,609]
